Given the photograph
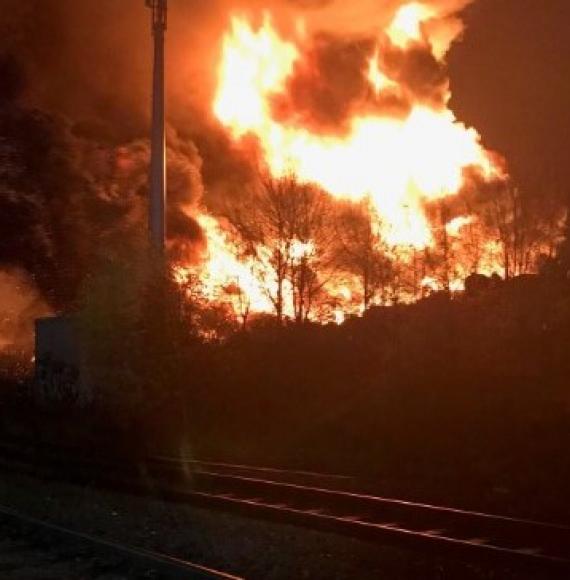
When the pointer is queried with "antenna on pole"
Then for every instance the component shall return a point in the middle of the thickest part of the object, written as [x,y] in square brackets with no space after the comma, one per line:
[157,222]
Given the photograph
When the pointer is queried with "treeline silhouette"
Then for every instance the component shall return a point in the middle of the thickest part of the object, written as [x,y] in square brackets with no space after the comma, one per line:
[461,400]
[465,397]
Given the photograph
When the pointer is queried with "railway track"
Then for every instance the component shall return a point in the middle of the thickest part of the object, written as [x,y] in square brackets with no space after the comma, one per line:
[300,477]
[449,531]
[34,549]
[323,502]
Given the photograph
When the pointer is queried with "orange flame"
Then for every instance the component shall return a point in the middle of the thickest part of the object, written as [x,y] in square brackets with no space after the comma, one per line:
[223,275]
[406,27]
[399,162]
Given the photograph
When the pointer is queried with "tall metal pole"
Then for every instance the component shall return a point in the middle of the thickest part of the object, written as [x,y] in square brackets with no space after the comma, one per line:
[158,141]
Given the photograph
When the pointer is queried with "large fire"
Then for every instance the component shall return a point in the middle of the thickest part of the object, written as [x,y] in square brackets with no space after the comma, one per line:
[401,162]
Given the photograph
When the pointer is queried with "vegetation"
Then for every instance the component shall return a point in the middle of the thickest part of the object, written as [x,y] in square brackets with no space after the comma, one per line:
[316,256]
[466,397]
[458,397]
[460,401]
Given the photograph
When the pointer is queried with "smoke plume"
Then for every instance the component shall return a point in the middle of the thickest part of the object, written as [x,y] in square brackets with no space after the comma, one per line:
[75,113]
[20,304]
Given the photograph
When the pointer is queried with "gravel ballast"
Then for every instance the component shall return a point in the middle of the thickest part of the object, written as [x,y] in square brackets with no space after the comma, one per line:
[232,543]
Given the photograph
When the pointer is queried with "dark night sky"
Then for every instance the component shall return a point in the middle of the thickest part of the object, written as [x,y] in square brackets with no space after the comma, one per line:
[511,80]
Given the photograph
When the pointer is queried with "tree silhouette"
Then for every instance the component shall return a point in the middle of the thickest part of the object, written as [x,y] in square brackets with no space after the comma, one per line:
[284,226]
[361,249]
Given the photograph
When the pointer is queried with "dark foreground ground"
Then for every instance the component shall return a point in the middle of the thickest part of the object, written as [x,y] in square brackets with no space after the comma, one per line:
[242,546]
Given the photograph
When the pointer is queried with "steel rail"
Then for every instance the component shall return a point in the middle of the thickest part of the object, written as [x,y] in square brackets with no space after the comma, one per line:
[389,500]
[166,565]
[253,468]
[372,529]
[454,530]
[459,530]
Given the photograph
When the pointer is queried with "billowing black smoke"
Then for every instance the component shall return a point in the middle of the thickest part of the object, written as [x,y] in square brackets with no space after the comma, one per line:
[40,214]
[65,195]
[331,83]
[75,82]
[74,121]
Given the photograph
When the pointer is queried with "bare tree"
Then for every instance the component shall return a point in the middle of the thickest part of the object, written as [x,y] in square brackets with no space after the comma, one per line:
[361,249]
[312,255]
[433,266]
[553,218]
[264,220]
[441,258]
[472,236]
[240,301]
[517,229]
[284,227]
